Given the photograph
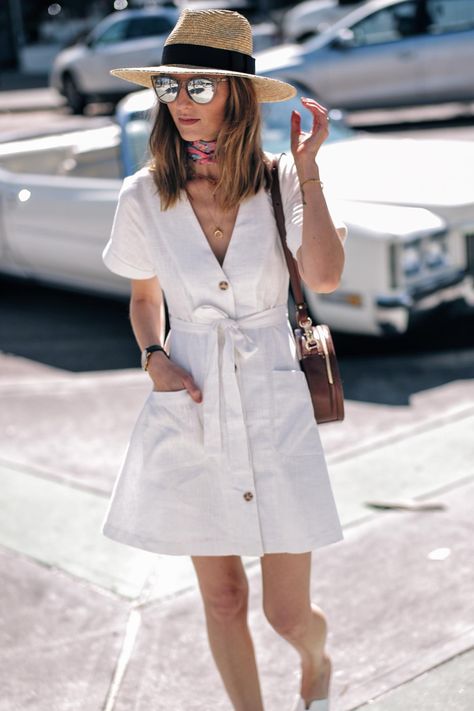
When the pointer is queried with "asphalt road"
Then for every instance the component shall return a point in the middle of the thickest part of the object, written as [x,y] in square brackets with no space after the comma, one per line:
[81,333]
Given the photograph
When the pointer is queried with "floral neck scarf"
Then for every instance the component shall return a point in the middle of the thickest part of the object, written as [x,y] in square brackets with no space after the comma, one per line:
[201,151]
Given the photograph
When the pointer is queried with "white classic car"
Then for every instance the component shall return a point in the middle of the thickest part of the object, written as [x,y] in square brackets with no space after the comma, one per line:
[408,206]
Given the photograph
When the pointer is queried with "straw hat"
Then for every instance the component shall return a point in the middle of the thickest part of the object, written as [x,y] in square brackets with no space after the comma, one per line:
[214,42]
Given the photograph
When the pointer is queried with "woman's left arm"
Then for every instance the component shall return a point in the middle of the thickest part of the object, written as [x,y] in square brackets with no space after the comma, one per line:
[321,255]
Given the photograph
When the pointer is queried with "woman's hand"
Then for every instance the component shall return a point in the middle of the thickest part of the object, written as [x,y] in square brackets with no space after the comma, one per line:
[305,146]
[168,376]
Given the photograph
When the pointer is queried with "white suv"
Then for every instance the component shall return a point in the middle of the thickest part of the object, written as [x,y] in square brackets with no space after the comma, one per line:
[130,38]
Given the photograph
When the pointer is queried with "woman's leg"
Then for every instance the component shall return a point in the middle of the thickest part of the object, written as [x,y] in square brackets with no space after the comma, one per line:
[288,608]
[224,588]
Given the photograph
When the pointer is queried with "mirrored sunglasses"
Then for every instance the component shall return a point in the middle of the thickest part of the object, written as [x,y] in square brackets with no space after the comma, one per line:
[200,89]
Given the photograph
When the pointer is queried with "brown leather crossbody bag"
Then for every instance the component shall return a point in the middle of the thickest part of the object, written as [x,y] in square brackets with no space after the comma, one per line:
[314,344]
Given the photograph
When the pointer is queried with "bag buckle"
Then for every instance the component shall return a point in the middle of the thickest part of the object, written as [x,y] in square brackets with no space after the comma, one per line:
[309,337]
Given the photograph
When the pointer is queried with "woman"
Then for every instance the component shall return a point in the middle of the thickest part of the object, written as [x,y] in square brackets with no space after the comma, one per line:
[225,458]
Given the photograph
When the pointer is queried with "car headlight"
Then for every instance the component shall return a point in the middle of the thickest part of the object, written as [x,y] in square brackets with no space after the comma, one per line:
[421,256]
[412,258]
[436,251]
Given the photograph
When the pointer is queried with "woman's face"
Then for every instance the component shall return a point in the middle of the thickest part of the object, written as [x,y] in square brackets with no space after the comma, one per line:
[199,122]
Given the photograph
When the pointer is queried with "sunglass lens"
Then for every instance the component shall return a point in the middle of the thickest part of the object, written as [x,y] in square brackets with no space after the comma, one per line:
[166,88]
[201,90]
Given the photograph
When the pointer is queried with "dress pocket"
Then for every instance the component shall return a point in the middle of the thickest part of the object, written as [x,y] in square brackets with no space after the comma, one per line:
[170,393]
[173,438]
[295,430]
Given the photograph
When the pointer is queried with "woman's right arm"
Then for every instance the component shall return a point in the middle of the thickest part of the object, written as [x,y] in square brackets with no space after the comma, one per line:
[147,317]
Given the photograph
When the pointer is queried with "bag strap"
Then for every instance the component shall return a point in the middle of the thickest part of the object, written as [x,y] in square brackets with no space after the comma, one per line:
[302,317]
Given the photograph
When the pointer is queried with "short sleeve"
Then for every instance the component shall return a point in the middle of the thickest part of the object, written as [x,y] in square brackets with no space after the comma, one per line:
[293,205]
[126,253]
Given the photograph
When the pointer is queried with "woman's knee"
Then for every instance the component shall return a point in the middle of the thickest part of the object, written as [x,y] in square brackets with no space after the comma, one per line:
[293,621]
[224,590]
[286,592]
[226,602]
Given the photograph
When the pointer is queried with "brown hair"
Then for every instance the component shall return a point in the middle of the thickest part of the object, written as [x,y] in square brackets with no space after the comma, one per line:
[244,166]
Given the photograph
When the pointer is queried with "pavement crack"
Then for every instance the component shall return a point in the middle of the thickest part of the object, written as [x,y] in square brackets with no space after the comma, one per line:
[129,639]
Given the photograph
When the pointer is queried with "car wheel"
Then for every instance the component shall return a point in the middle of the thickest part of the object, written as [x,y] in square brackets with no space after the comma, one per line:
[76,101]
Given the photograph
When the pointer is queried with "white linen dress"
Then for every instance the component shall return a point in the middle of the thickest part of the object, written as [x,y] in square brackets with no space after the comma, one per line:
[243,472]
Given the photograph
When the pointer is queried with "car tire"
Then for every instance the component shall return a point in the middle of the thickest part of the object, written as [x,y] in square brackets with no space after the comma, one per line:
[74,98]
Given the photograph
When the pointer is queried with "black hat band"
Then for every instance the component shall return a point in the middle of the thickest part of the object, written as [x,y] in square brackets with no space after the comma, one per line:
[202,56]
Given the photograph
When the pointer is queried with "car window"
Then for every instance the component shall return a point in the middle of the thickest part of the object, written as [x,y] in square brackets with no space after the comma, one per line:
[114,33]
[391,24]
[450,15]
[148,27]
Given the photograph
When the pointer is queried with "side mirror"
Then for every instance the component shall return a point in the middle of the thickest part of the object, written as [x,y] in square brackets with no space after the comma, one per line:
[344,39]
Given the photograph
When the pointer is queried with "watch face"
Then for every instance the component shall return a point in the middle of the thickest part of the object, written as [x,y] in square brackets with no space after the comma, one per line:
[143,358]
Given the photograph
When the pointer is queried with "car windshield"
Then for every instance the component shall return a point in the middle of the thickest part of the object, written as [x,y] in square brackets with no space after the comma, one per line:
[324,20]
[327,20]
[276,119]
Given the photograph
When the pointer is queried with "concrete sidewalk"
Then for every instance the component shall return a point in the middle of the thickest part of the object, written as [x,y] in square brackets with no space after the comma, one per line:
[27,92]
[29,108]
[19,100]
[95,625]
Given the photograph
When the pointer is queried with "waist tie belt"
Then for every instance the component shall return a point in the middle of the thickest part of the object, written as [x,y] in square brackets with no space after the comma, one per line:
[222,404]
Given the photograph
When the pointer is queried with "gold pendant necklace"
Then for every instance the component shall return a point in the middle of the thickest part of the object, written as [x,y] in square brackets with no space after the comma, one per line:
[218,232]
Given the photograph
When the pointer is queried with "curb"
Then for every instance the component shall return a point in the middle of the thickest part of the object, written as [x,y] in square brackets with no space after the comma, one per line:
[20,91]
[21,100]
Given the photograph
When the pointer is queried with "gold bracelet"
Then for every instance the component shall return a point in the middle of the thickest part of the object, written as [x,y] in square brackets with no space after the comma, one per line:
[314,180]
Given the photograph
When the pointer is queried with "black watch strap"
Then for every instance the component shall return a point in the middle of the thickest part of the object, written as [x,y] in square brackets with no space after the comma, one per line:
[155,347]
[148,351]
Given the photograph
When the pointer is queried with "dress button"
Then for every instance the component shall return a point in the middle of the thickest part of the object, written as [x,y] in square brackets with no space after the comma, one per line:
[223,285]
[248,496]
